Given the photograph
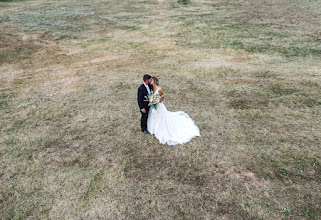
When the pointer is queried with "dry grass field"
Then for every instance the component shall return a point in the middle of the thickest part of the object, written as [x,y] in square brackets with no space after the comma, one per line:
[248,72]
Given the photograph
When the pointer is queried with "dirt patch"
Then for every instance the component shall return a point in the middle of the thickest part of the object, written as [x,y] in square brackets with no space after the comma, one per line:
[245,176]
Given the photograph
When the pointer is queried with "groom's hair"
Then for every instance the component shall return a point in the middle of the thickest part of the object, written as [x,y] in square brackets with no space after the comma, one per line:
[146,77]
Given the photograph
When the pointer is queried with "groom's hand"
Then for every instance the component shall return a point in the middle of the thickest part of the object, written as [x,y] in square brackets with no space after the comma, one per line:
[143,110]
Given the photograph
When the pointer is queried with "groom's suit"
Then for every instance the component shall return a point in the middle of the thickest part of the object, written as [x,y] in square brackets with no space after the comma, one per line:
[142,92]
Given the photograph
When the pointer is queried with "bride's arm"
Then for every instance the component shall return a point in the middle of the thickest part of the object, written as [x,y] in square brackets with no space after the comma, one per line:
[161,93]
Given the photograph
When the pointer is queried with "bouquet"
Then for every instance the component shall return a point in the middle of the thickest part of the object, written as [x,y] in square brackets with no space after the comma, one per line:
[153,100]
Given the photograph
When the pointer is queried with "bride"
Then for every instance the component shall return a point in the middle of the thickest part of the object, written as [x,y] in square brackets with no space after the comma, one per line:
[169,127]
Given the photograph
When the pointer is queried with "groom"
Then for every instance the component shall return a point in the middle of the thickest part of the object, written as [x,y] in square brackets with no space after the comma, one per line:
[143,91]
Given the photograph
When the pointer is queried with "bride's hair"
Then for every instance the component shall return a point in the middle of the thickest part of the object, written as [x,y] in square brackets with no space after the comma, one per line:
[155,80]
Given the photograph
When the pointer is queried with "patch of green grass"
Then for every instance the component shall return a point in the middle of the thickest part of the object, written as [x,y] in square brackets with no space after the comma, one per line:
[256,117]
[184,2]
[19,216]
[3,103]
[310,102]
[130,27]
[59,20]
[287,212]
[292,164]
[71,20]
[52,142]
[10,142]
[87,43]
[266,74]
[295,95]
[280,90]
[240,104]
[248,99]
[119,86]
[246,36]
[310,212]
[93,185]
[17,125]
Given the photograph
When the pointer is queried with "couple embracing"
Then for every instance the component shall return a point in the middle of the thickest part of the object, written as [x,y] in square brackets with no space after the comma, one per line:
[168,127]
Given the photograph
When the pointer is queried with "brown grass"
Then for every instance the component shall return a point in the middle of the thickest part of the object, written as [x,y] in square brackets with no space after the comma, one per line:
[247,72]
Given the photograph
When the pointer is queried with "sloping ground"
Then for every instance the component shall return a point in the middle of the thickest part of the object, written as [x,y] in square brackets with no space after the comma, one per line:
[247,72]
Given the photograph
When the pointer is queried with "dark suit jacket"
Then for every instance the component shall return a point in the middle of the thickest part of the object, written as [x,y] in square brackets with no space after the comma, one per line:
[141,93]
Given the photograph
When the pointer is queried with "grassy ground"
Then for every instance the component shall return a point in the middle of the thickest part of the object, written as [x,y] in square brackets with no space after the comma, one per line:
[247,72]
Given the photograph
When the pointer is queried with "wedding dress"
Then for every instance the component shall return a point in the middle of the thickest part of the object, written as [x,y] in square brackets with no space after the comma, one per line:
[171,127]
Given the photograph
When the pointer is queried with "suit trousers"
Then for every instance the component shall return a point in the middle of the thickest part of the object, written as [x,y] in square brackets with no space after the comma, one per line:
[143,120]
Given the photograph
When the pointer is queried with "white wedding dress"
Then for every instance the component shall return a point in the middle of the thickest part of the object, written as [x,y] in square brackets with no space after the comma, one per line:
[171,127]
